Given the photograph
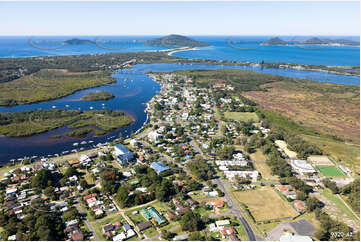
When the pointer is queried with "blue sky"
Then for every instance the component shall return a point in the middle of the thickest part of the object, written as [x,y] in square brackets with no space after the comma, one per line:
[188,18]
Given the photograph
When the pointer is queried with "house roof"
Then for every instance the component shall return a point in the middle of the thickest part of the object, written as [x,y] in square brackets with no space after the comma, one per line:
[122,149]
[222,222]
[108,227]
[218,204]
[77,236]
[143,226]
[159,166]
[171,215]
[299,205]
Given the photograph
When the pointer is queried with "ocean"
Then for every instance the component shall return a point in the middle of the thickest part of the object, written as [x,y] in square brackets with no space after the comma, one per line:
[237,48]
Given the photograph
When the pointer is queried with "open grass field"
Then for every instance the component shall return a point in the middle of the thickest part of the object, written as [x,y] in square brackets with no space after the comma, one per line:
[259,162]
[265,204]
[328,108]
[241,116]
[348,153]
[330,171]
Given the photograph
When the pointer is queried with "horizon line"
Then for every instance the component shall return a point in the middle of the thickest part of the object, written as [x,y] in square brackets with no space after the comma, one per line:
[180,34]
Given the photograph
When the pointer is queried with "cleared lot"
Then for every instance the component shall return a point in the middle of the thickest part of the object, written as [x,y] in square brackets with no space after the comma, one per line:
[283,145]
[265,204]
[320,160]
[241,116]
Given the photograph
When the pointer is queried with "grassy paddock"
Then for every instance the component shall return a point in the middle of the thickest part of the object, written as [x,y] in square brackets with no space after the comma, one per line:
[241,116]
[260,164]
[265,204]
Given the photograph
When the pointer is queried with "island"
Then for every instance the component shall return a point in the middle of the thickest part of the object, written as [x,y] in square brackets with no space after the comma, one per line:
[318,41]
[311,41]
[81,123]
[96,96]
[176,40]
[76,41]
[274,41]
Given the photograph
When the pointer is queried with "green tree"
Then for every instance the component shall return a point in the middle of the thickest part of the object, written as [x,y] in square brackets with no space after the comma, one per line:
[196,236]
[191,221]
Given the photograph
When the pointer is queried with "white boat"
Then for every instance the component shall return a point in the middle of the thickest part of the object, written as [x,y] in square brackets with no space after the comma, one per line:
[67,105]
[90,141]
[91,108]
[75,144]
[83,143]
[53,106]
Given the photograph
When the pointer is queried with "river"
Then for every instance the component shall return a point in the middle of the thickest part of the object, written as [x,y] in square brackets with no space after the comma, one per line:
[132,90]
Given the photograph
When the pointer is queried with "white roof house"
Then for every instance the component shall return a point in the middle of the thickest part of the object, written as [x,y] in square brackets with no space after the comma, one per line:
[221,223]
[232,174]
[231,163]
[154,136]
[302,166]
[12,237]
[84,159]
[133,142]
[120,237]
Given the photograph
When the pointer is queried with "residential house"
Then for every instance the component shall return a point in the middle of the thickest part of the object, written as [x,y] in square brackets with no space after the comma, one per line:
[159,167]
[144,225]
[123,154]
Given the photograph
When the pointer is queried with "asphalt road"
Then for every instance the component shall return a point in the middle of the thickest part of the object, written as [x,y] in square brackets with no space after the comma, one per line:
[81,211]
[235,211]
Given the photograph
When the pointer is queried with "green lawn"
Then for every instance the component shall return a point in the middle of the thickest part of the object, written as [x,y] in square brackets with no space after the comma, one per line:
[340,204]
[330,171]
[136,218]
[150,232]
[241,116]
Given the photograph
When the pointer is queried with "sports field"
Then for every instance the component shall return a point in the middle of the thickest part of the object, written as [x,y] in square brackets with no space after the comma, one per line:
[265,204]
[241,116]
[330,171]
[320,160]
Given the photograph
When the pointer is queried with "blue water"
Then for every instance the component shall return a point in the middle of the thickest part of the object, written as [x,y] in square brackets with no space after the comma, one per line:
[52,46]
[249,49]
[132,90]
[246,48]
